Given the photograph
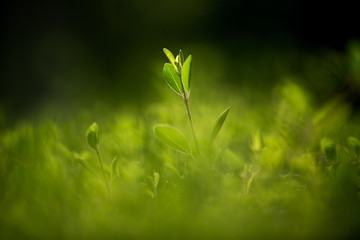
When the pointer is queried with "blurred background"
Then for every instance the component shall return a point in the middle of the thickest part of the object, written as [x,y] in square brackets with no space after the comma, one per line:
[67,54]
[285,164]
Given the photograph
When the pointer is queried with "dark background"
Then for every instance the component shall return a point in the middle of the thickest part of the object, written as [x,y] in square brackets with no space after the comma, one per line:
[75,51]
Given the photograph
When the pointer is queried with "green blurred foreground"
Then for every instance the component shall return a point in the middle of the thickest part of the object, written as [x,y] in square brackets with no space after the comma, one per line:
[283,167]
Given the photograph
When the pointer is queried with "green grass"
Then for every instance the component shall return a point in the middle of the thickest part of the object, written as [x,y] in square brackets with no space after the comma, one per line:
[282,166]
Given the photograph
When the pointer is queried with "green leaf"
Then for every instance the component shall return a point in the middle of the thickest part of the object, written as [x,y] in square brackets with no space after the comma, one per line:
[92,135]
[114,164]
[218,124]
[172,78]
[186,74]
[170,56]
[172,137]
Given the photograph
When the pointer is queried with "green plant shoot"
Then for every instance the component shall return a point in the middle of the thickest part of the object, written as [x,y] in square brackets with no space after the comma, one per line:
[181,83]
[92,136]
[177,75]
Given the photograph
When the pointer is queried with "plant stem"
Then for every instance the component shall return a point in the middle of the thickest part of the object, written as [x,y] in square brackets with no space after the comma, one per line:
[186,101]
[102,168]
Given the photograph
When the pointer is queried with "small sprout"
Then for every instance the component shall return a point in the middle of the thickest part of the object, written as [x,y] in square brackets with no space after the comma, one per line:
[218,124]
[178,76]
[257,142]
[155,183]
[172,137]
[92,135]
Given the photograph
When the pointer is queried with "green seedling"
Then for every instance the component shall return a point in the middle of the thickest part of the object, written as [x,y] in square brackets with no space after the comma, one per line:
[177,75]
[154,181]
[92,136]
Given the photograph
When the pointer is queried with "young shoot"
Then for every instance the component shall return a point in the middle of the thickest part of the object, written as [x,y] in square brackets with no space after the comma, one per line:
[177,75]
[92,136]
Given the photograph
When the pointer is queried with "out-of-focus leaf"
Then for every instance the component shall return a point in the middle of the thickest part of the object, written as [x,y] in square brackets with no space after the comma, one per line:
[114,164]
[257,142]
[85,165]
[172,169]
[186,73]
[172,78]
[218,124]
[354,142]
[172,137]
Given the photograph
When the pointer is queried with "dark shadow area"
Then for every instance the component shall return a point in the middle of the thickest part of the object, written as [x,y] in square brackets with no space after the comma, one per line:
[76,51]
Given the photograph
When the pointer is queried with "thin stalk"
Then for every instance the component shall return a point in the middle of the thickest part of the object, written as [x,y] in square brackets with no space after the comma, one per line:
[186,101]
[102,168]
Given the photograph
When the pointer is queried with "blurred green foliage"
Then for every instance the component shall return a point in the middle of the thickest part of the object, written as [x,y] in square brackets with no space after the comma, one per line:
[286,164]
